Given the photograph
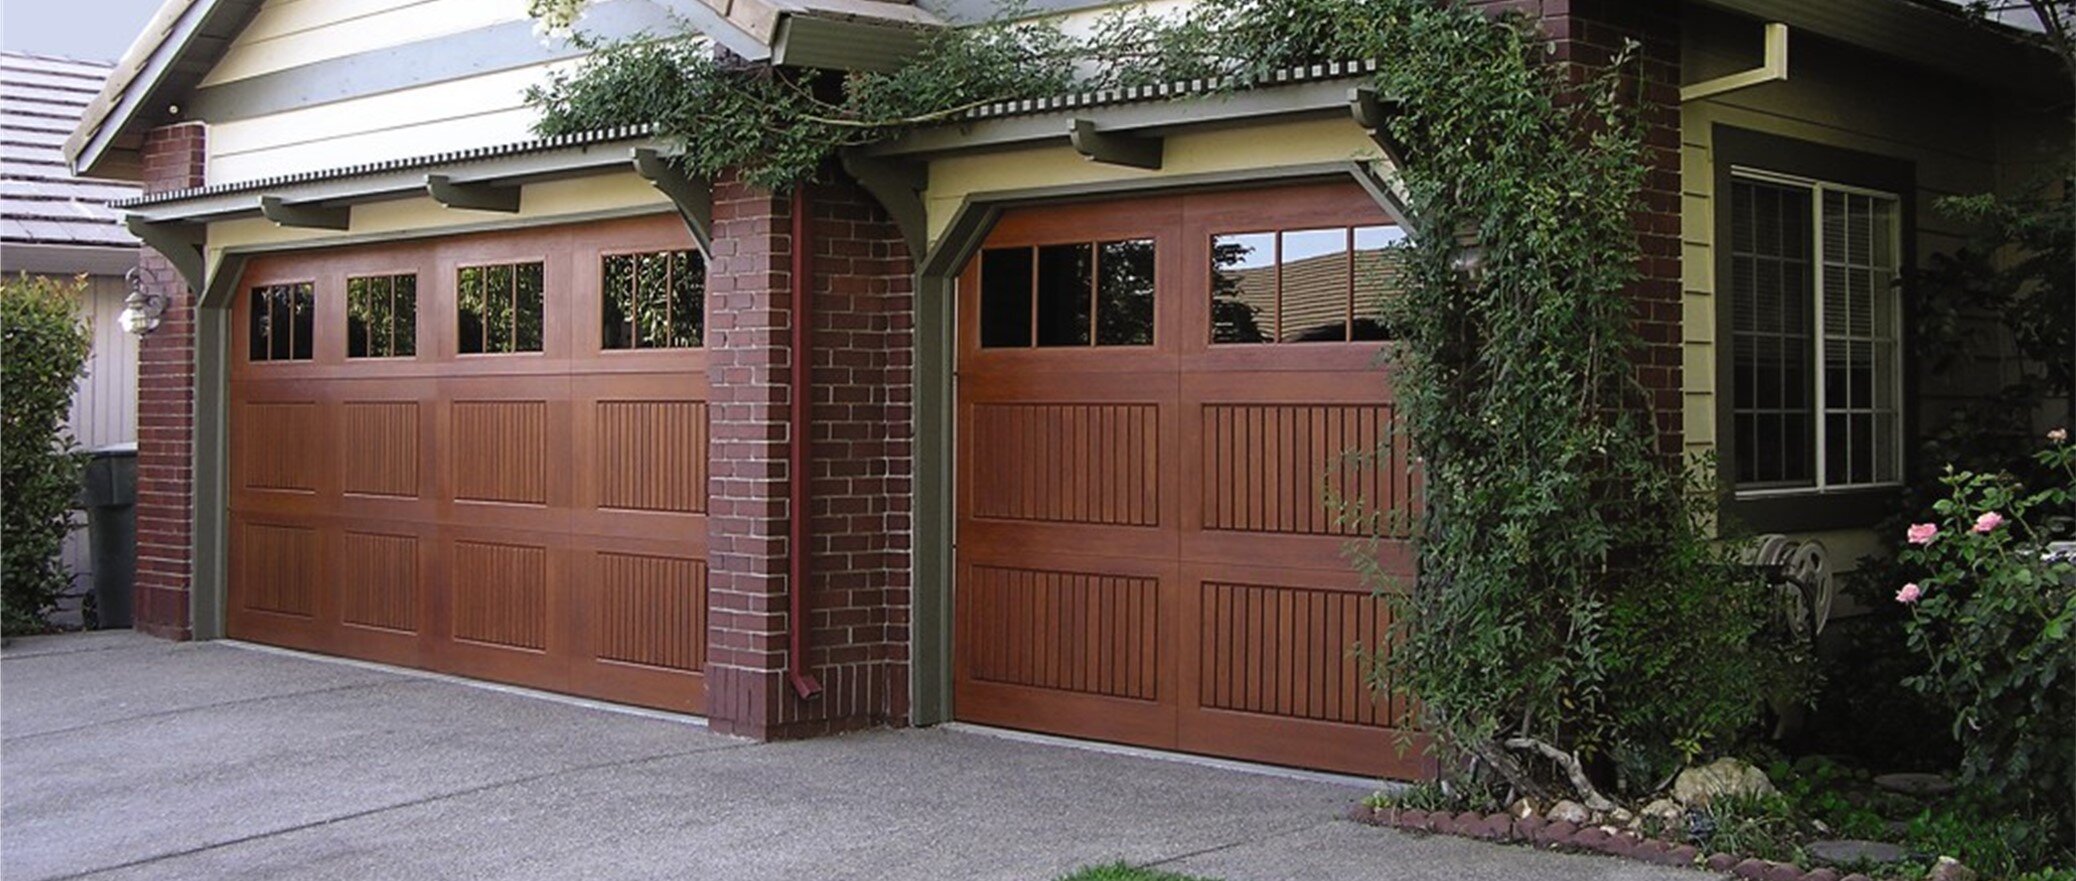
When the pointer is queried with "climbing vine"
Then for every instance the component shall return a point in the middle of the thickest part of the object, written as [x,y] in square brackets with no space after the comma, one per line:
[1572,617]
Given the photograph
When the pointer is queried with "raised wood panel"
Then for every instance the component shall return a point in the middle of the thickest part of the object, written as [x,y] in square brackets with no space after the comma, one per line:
[1067,631]
[1292,652]
[454,518]
[500,451]
[378,581]
[500,594]
[1067,463]
[1306,469]
[276,446]
[651,610]
[381,447]
[278,568]
[652,455]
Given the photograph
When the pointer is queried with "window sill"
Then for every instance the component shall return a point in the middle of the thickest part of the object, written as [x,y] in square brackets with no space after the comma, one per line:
[1800,510]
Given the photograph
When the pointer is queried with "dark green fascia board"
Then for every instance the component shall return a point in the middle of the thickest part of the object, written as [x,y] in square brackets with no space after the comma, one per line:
[180,243]
[845,44]
[1153,118]
[445,190]
[693,197]
[898,185]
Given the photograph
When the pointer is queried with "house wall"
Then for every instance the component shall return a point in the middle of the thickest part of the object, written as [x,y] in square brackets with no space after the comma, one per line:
[323,84]
[953,179]
[1837,96]
[104,408]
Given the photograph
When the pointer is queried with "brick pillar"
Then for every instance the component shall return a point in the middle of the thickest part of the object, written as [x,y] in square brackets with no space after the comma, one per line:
[1588,34]
[173,159]
[859,468]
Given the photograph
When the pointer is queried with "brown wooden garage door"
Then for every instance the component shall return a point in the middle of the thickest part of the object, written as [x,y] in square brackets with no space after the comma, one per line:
[483,455]
[1155,399]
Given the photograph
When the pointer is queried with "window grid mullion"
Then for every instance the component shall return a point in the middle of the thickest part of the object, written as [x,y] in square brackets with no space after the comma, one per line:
[1821,450]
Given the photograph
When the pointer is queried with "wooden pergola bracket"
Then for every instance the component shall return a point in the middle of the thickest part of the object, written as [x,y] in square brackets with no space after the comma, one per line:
[304,216]
[1115,148]
[472,196]
[694,198]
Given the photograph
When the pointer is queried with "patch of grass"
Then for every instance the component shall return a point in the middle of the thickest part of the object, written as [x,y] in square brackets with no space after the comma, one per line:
[1126,872]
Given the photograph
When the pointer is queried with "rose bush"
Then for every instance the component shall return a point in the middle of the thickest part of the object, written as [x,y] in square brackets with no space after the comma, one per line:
[1992,610]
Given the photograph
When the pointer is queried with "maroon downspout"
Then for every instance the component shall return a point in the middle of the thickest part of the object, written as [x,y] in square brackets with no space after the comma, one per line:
[801,389]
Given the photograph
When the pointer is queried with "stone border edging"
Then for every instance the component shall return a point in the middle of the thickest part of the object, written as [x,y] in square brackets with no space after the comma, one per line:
[1535,831]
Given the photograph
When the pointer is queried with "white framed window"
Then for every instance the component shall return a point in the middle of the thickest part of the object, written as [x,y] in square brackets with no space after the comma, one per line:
[1816,372]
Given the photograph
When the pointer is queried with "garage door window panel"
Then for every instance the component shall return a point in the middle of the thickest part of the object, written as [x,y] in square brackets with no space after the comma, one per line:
[1318,285]
[653,300]
[382,316]
[1068,295]
[283,322]
[499,308]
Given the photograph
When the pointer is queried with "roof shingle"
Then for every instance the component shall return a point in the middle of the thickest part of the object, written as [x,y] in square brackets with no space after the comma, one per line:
[41,203]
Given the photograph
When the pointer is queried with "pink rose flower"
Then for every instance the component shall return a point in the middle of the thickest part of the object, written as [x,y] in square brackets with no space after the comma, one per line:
[1922,533]
[1988,522]
[2059,435]
[1910,593]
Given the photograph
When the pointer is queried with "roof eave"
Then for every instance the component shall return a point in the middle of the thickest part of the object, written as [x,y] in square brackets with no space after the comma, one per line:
[1933,35]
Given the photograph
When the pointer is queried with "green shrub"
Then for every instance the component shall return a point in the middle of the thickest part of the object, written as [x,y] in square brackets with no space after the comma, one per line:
[1993,613]
[43,347]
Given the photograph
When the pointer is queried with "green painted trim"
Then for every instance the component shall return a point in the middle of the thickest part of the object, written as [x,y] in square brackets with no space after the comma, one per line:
[208,585]
[1730,148]
[936,373]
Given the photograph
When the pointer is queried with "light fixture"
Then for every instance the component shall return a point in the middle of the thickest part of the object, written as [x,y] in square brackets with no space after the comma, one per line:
[142,308]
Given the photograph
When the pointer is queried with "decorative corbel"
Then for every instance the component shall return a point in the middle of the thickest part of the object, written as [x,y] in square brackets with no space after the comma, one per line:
[1115,148]
[1373,113]
[304,215]
[694,198]
[472,196]
[180,242]
[898,184]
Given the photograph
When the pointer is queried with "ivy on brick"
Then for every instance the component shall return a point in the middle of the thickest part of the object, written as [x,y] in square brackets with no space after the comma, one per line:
[1572,611]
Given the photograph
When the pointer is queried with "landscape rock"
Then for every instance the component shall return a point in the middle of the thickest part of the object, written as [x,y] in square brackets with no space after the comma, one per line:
[1721,862]
[1855,877]
[1522,807]
[1751,868]
[1820,874]
[1846,852]
[1726,776]
[1950,869]
[1570,812]
[1664,809]
[1782,872]
[1915,784]
[1621,817]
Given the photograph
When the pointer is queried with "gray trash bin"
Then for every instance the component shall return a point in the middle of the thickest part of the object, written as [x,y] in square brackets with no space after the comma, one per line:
[110,497]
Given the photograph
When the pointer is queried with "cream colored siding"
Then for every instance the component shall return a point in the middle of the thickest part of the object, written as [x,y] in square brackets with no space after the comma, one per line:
[1240,149]
[290,33]
[577,198]
[472,112]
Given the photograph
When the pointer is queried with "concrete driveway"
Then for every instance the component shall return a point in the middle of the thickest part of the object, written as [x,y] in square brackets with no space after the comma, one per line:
[128,757]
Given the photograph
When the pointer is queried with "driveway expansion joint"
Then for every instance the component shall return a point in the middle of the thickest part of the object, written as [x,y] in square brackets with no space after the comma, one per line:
[180,711]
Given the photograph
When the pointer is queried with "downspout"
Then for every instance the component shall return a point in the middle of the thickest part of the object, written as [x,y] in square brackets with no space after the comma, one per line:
[800,389]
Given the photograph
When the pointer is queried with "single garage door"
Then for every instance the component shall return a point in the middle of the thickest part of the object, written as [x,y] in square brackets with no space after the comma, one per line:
[483,455]
[1156,398]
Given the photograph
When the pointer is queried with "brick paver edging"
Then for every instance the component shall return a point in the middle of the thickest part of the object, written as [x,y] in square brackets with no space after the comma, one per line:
[1537,831]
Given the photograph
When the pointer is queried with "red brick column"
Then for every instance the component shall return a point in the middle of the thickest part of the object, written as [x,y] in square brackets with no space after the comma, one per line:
[173,159]
[859,471]
[1589,33]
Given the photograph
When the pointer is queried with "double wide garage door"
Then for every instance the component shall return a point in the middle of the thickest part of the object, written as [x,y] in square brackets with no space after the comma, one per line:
[1172,417]
[483,455]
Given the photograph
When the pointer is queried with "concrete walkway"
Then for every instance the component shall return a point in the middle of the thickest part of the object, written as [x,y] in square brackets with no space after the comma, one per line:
[127,757]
